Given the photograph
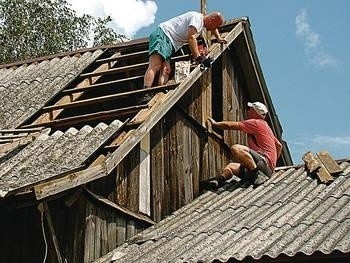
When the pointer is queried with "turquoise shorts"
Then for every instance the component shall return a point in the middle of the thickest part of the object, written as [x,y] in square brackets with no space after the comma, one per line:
[161,44]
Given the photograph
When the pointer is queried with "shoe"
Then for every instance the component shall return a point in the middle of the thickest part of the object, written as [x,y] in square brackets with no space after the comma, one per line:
[259,178]
[145,98]
[214,183]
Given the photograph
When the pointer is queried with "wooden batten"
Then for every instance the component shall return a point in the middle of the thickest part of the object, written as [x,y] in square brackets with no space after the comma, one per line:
[331,165]
[69,181]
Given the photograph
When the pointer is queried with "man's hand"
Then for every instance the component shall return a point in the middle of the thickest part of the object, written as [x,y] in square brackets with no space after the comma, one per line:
[212,121]
[222,41]
[206,62]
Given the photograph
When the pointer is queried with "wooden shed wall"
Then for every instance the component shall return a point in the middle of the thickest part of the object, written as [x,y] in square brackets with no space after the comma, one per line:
[182,153]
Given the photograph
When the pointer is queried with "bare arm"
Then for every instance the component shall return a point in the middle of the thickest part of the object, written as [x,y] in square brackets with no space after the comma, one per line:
[217,35]
[192,41]
[278,147]
[224,125]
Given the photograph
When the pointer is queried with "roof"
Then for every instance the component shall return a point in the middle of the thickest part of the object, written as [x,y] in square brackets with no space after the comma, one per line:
[102,85]
[50,156]
[290,214]
[27,88]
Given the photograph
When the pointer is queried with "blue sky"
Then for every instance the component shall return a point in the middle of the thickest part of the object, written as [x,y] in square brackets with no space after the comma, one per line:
[302,47]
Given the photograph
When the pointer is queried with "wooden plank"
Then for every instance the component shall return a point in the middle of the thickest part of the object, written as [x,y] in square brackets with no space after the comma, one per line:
[324,175]
[145,177]
[125,68]
[329,163]
[124,56]
[100,99]
[172,98]
[89,244]
[153,103]
[157,171]
[115,70]
[101,115]
[311,162]
[112,232]
[97,234]
[17,136]
[20,130]
[68,182]
[100,85]
[121,230]
[119,208]
[48,117]
[173,152]
[133,179]
[52,231]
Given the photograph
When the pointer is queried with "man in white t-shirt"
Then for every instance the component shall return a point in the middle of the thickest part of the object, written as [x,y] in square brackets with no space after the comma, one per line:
[171,35]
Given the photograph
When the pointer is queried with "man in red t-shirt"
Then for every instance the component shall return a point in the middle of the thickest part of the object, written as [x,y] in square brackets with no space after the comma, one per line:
[254,163]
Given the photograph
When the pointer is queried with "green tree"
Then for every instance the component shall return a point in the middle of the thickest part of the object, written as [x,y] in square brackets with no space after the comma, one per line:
[33,28]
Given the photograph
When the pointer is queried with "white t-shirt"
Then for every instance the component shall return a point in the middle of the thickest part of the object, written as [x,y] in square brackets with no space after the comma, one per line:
[177,28]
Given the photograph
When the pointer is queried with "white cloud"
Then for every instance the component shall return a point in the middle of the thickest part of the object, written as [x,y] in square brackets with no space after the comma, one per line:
[312,41]
[128,16]
[331,140]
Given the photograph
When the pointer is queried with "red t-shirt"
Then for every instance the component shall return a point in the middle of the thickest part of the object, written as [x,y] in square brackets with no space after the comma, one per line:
[261,139]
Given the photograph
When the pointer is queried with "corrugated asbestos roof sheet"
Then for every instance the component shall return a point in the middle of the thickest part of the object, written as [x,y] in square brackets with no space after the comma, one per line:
[26,89]
[291,213]
[52,155]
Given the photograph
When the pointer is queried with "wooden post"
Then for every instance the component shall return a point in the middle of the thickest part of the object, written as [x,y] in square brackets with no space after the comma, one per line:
[52,231]
[203,7]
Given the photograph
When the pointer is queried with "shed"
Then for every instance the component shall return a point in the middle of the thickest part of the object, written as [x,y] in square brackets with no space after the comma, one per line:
[84,166]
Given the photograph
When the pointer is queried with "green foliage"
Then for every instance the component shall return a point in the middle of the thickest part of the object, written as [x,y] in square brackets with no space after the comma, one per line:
[33,28]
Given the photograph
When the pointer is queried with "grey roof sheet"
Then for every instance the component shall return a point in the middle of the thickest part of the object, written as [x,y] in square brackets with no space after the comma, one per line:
[291,213]
[52,155]
[27,88]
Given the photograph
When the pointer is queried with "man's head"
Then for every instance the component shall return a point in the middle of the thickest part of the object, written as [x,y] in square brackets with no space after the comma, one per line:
[259,108]
[213,20]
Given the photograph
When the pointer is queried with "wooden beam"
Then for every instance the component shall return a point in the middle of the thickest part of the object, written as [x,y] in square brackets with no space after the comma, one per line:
[52,115]
[20,130]
[329,163]
[102,84]
[69,181]
[52,231]
[172,97]
[311,162]
[124,56]
[126,68]
[124,210]
[109,97]
[101,115]
[314,165]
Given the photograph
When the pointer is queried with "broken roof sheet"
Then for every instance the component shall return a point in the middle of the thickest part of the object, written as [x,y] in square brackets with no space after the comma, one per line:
[49,156]
[27,88]
[291,213]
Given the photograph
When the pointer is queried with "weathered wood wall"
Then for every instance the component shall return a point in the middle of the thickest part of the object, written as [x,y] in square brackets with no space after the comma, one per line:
[181,154]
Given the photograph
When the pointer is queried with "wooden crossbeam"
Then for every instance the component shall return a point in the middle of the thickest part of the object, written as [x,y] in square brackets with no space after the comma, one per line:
[125,68]
[330,164]
[14,131]
[130,55]
[124,210]
[108,97]
[102,115]
[99,85]
[114,70]
[311,162]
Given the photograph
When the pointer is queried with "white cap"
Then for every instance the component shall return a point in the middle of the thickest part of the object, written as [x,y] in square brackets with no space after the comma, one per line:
[258,107]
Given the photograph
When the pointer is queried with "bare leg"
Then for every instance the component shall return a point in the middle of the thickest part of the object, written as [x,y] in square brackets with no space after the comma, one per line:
[155,63]
[241,154]
[164,73]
